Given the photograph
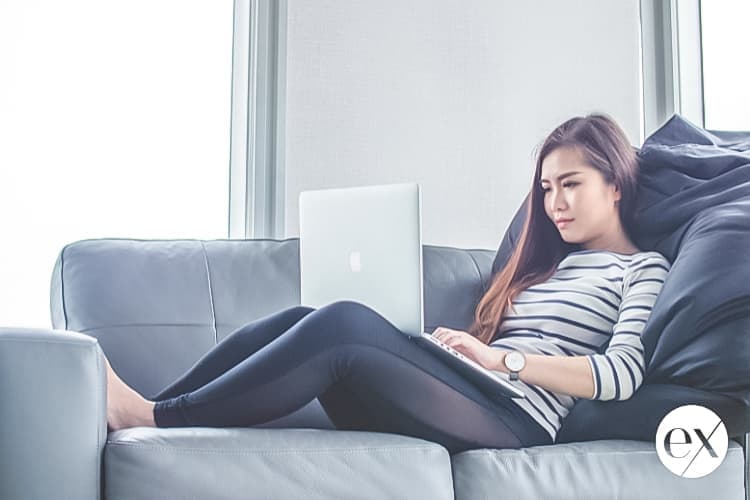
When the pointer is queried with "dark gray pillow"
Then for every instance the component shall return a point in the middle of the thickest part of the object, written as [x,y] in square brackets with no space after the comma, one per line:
[638,418]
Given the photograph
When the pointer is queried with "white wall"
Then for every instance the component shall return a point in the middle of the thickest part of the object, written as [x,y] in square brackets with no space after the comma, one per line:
[451,94]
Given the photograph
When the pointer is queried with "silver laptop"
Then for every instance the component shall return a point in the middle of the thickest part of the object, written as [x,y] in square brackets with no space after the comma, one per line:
[365,244]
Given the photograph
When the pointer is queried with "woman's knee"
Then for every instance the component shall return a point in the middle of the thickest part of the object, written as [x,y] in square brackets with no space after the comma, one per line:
[344,308]
[302,310]
[346,317]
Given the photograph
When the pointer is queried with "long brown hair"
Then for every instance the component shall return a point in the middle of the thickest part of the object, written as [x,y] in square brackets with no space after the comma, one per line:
[540,248]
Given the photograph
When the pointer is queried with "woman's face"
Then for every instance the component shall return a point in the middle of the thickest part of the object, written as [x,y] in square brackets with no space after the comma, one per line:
[585,197]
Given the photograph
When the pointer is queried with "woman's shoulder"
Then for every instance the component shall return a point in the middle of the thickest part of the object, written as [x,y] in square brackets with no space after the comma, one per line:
[649,258]
[629,262]
[647,267]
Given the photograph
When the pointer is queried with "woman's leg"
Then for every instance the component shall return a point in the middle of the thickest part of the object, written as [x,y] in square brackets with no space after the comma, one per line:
[369,376]
[234,348]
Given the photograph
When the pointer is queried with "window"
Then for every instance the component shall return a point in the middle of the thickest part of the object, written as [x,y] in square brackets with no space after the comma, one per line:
[114,122]
[726,74]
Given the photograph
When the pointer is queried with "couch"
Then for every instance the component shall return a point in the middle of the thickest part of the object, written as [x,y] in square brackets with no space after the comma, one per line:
[155,306]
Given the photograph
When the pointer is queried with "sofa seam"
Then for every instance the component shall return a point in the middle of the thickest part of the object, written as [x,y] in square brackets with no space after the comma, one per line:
[210,293]
[44,341]
[746,460]
[436,448]
[62,285]
[493,451]
[177,240]
[148,324]
[479,272]
[98,427]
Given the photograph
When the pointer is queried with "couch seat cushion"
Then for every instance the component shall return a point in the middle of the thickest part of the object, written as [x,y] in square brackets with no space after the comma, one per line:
[233,463]
[619,469]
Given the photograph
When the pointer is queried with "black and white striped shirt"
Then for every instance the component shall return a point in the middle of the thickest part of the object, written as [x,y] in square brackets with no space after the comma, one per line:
[595,305]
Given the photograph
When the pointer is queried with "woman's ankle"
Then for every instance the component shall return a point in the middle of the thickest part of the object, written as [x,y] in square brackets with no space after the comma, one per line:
[147,417]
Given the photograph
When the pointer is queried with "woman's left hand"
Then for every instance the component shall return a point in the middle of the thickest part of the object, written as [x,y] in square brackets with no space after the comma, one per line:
[471,347]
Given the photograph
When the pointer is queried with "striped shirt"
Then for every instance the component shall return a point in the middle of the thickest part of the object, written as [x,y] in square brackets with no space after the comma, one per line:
[595,305]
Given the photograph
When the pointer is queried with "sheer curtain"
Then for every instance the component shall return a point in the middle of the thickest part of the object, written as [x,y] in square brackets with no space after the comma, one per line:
[114,122]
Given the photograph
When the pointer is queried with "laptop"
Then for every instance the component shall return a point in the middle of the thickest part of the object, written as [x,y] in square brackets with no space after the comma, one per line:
[365,244]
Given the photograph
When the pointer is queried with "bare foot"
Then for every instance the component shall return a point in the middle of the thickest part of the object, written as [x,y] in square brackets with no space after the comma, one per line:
[125,407]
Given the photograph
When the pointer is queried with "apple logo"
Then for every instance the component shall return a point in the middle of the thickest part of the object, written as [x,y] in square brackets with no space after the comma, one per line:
[355,262]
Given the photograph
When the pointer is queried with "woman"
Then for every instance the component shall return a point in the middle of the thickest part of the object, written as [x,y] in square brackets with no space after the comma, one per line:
[573,298]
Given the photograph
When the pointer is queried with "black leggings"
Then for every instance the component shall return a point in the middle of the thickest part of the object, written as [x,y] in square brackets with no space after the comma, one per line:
[366,374]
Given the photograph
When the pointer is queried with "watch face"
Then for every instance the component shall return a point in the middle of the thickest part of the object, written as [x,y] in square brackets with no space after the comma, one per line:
[514,360]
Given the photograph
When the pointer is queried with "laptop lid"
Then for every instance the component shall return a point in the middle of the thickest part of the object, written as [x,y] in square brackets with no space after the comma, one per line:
[364,244]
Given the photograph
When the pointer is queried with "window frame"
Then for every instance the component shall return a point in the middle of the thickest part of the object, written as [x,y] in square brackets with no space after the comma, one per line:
[257,161]
[671,62]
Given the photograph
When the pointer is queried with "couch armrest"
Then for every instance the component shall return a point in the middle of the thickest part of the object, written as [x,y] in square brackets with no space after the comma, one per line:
[53,420]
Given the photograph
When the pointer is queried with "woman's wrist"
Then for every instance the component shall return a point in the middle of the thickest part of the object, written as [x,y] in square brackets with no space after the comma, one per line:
[500,364]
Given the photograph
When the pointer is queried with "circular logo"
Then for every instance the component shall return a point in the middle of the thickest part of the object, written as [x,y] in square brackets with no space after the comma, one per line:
[691,441]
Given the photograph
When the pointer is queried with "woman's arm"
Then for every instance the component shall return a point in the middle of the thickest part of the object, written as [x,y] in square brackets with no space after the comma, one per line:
[570,375]
[614,374]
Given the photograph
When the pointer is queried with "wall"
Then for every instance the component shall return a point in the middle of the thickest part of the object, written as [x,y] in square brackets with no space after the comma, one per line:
[453,95]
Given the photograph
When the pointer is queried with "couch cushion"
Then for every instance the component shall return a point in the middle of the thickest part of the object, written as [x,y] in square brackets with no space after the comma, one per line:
[143,463]
[146,302]
[594,469]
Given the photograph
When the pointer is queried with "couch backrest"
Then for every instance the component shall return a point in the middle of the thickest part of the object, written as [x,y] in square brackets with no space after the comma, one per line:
[156,306]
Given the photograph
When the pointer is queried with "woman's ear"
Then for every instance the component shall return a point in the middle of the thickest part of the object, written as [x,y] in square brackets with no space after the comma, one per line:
[618,193]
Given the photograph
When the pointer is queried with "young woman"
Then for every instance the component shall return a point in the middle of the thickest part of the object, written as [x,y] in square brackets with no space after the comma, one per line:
[570,305]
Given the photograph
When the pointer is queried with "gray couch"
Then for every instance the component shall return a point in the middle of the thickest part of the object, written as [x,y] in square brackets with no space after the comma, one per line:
[154,307]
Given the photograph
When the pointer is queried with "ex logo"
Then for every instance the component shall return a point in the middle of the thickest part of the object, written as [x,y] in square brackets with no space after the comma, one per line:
[691,441]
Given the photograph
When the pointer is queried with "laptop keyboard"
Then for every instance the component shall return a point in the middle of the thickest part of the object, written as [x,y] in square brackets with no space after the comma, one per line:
[448,348]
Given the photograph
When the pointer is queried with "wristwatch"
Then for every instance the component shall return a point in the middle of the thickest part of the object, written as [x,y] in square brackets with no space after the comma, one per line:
[514,361]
